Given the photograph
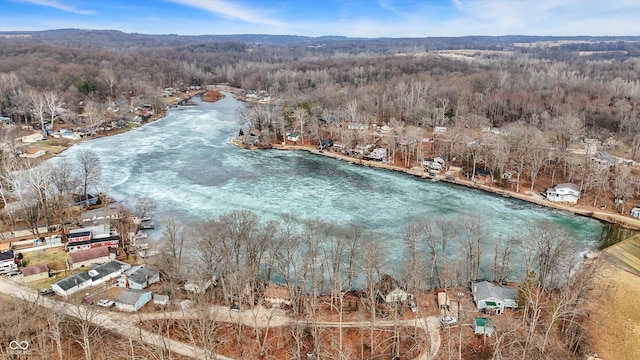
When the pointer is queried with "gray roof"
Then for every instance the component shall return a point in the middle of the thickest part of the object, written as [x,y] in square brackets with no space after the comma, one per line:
[69,282]
[139,274]
[6,255]
[109,268]
[131,296]
[487,290]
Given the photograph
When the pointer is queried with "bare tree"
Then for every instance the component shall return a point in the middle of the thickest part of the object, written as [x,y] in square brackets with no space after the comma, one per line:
[90,171]
[53,103]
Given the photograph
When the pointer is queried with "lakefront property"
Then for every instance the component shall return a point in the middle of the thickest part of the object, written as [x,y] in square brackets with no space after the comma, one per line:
[407,227]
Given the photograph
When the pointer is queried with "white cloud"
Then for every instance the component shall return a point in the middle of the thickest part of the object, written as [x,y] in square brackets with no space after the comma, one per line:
[60,6]
[230,10]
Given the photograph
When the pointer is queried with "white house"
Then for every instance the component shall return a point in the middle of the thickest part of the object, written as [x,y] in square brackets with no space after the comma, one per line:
[569,193]
[7,262]
[490,296]
[293,137]
[35,137]
[108,271]
[33,153]
[635,212]
[72,284]
[139,277]
[389,290]
[132,300]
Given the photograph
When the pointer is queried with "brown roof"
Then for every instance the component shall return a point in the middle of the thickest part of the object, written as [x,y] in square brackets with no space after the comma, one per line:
[275,291]
[90,254]
[32,151]
[35,269]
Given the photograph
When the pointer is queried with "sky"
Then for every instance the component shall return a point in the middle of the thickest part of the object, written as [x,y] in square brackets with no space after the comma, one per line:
[353,18]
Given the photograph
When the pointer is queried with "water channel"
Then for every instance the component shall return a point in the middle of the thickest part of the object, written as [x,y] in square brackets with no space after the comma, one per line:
[187,165]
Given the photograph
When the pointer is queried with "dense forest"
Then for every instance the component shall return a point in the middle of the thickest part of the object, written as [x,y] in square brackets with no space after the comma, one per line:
[510,104]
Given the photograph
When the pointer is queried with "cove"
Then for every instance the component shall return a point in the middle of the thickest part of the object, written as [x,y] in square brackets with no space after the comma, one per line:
[186,164]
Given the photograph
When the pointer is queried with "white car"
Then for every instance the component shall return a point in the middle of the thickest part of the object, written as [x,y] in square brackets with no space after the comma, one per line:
[106,303]
[448,321]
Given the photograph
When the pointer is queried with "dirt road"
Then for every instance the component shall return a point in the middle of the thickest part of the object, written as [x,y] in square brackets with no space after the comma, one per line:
[126,324]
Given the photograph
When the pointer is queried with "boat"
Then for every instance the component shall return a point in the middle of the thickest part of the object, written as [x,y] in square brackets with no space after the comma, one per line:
[145,219]
[146,227]
[141,235]
[434,179]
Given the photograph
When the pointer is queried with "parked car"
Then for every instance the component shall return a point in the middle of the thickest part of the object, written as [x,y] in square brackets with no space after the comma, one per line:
[448,321]
[14,273]
[87,300]
[413,306]
[47,292]
[105,303]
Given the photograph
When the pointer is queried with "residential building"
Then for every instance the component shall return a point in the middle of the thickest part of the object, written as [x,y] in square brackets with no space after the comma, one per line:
[35,137]
[7,262]
[35,273]
[72,284]
[635,213]
[108,271]
[492,297]
[566,193]
[139,277]
[132,300]
[277,294]
[389,290]
[84,258]
[293,137]
[91,237]
[33,153]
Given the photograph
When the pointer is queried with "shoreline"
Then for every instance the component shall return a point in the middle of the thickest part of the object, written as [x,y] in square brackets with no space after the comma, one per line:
[611,218]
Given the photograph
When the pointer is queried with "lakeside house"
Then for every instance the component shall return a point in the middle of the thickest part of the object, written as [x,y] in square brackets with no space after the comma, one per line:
[33,153]
[564,193]
[35,272]
[92,237]
[139,277]
[32,138]
[491,297]
[388,289]
[635,213]
[293,137]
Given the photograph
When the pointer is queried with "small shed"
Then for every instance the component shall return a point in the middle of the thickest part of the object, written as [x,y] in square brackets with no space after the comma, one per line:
[132,300]
[35,273]
[483,326]
[160,299]
[635,213]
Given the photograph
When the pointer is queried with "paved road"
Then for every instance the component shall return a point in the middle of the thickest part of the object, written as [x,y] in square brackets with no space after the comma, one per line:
[125,324]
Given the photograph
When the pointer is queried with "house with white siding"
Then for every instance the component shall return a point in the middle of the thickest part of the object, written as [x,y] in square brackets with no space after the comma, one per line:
[492,297]
[564,193]
[132,300]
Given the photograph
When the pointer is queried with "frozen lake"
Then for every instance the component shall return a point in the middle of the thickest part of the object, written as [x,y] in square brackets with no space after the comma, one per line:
[187,165]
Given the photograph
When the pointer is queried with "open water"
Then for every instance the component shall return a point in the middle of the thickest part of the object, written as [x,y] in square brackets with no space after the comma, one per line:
[187,165]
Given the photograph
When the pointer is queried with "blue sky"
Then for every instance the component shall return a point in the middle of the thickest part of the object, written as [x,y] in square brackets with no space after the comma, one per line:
[358,18]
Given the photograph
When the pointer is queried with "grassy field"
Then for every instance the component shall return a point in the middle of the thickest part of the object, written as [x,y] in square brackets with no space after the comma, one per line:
[615,323]
[54,257]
